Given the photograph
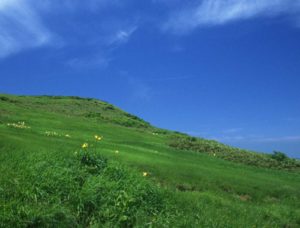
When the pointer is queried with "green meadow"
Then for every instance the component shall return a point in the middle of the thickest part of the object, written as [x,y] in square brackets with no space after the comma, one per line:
[135,175]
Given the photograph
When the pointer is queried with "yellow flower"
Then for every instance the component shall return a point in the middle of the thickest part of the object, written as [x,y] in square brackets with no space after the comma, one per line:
[98,138]
[85,145]
[145,174]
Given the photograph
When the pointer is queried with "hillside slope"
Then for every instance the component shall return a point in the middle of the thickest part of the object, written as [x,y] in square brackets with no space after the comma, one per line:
[135,175]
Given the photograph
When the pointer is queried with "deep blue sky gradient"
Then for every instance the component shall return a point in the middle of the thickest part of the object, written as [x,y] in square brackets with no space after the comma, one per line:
[237,82]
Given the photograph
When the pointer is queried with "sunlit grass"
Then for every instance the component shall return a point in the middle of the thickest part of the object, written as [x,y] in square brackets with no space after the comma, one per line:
[109,174]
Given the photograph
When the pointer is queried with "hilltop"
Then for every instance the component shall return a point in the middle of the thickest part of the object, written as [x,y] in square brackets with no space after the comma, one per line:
[135,175]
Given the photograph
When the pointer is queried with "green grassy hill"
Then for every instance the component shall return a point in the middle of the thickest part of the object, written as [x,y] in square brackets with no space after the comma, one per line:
[136,175]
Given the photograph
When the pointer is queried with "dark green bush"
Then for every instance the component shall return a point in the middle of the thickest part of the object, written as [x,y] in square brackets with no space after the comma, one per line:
[109,107]
[6,99]
[279,156]
[94,163]
[93,115]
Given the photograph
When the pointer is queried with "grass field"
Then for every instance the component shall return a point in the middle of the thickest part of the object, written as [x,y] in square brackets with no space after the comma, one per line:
[131,177]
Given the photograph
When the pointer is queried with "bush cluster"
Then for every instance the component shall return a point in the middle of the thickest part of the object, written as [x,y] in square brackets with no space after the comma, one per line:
[278,160]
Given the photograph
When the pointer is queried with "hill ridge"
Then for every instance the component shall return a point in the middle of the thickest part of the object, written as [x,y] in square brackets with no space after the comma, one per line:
[98,110]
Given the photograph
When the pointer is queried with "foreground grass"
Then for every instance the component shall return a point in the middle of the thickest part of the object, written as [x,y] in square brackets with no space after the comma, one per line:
[45,182]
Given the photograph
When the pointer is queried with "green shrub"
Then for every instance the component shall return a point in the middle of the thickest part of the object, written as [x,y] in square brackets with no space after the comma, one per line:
[279,156]
[6,99]
[109,107]
[93,115]
[94,163]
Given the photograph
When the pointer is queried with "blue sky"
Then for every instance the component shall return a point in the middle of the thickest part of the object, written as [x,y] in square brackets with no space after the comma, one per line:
[221,69]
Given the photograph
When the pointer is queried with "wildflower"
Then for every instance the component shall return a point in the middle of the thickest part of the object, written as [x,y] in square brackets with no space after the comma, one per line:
[51,133]
[145,174]
[214,154]
[98,138]
[18,125]
[116,151]
[85,145]
[68,136]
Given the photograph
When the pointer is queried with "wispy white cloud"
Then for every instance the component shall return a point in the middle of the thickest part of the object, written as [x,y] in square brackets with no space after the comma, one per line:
[218,12]
[169,78]
[256,139]
[232,130]
[140,90]
[21,28]
[102,4]
[72,5]
[97,61]
[121,36]
[102,54]
[294,138]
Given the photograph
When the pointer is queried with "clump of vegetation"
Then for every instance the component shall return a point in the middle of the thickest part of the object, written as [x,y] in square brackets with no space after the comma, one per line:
[126,120]
[277,161]
[64,97]
[279,156]
[93,115]
[85,191]
[7,99]
[109,107]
